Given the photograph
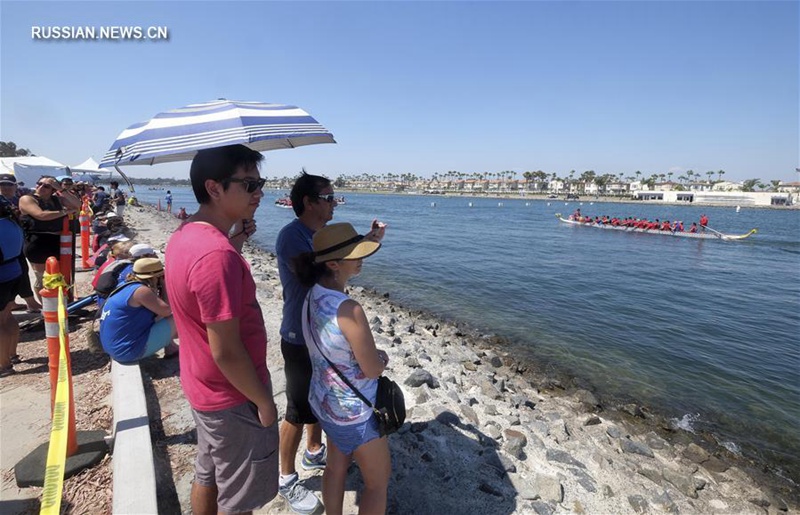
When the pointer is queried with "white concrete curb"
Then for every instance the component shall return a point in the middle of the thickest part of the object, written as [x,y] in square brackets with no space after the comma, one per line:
[134,471]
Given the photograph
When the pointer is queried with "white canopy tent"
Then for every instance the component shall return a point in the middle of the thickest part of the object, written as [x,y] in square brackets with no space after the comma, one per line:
[28,169]
[89,171]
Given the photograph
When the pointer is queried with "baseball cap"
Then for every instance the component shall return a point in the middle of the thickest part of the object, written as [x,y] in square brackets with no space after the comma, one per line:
[7,178]
[141,249]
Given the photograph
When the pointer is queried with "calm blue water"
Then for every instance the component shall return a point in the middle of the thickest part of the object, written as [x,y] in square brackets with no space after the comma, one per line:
[707,329]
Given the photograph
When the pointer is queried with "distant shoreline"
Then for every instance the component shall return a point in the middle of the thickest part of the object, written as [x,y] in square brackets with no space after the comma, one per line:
[582,200]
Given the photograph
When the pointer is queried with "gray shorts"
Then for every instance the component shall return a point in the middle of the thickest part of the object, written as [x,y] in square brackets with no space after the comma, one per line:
[238,455]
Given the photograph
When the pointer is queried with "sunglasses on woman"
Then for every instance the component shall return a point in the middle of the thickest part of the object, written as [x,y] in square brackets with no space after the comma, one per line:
[250,185]
[46,185]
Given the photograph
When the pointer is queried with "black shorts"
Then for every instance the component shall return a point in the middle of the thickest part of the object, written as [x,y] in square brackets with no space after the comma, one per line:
[25,289]
[40,246]
[297,367]
[9,291]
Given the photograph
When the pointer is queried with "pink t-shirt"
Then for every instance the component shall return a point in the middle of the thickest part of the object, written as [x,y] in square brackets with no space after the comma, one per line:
[208,281]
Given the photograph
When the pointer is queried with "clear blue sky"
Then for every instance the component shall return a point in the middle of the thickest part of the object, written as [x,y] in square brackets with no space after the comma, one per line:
[427,87]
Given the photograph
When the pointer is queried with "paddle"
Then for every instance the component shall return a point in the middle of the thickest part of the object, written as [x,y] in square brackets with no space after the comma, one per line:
[71,309]
[721,235]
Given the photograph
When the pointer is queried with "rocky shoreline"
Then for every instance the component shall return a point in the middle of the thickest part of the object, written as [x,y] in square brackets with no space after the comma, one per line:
[486,432]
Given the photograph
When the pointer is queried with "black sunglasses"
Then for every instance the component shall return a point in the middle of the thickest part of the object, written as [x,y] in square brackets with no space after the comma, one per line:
[250,185]
[46,185]
[327,198]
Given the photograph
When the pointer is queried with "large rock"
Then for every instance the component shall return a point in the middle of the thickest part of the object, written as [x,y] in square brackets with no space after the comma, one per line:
[684,483]
[421,376]
[638,503]
[524,488]
[654,441]
[500,462]
[714,464]
[586,398]
[665,503]
[470,414]
[695,453]
[515,442]
[564,457]
[632,447]
[549,488]
[489,390]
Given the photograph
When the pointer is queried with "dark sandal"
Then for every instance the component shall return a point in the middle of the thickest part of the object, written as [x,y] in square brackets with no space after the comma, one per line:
[7,371]
[15,359]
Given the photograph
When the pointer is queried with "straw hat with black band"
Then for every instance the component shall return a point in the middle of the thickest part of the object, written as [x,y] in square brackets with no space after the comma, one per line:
[341,241]
[147,268]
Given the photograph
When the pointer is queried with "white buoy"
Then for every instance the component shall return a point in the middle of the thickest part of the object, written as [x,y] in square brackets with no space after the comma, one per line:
[581,203]
[566,203]
[527,203]
[738,208]
[499,204]
[470,204]
[433,204]
[548,203]
[591,203]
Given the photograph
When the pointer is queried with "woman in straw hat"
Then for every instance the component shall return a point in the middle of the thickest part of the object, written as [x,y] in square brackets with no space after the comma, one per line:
[335,327]
[135,323]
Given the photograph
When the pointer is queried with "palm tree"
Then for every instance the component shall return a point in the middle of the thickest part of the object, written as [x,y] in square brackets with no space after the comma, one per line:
[710,173]
[749,184]
[670,176]
[720,173]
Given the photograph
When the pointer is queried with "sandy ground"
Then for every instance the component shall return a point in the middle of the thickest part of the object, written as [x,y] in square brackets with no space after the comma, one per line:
[484,434]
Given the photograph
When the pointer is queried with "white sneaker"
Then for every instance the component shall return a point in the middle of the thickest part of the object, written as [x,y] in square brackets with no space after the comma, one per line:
[301,500]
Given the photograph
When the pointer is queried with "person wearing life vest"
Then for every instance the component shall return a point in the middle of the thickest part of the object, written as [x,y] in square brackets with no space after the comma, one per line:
[693,228]
[703,221]
[11,238]
[42,215]
[9,191]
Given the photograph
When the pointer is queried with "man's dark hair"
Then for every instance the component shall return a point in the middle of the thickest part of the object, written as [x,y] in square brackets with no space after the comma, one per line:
[114,184]
[218,164]
[306,185]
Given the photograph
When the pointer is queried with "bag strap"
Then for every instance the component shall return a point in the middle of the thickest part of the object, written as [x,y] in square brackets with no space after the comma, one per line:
[120,287]
[339,372]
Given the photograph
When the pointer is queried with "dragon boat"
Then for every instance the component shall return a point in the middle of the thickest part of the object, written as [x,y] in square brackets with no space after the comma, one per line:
[708,234]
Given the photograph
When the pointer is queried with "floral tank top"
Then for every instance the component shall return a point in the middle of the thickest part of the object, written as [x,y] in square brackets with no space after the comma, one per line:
[330,397]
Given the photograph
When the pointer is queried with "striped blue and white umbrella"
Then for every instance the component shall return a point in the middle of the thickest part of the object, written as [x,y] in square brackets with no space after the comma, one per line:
[177,135]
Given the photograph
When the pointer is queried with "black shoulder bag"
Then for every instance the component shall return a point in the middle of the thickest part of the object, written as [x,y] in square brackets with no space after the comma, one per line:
[390,405]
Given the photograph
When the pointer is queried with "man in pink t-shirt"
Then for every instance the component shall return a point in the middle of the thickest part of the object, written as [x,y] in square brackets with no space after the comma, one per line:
[223,343]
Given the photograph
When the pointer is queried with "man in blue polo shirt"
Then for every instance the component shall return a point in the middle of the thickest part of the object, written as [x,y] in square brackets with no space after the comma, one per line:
[313,203]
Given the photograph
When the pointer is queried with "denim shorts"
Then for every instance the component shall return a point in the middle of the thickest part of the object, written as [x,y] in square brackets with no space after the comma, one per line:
[351,437]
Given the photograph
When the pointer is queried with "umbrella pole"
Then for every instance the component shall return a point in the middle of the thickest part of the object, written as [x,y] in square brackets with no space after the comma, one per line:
[125,177]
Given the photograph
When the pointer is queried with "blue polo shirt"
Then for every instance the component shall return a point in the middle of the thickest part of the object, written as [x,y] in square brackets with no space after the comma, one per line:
[293,240]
